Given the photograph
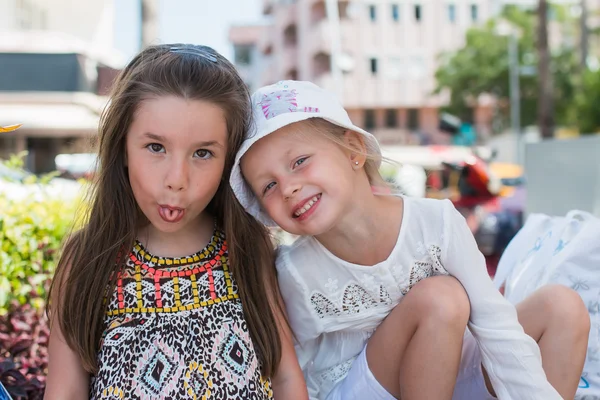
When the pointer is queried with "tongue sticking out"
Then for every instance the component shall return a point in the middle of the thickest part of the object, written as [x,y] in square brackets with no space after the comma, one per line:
[170,214]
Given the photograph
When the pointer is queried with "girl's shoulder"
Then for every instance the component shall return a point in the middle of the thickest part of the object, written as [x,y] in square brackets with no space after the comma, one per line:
[424,214]
[419,215]
[302,248]
[426,207]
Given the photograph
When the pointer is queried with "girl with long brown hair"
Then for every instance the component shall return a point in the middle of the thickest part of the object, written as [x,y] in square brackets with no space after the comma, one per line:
[169,290]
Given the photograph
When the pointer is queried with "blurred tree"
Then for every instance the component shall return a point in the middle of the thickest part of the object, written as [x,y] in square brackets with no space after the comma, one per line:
[587,101]
[583,35]
[545,114]
[482,67]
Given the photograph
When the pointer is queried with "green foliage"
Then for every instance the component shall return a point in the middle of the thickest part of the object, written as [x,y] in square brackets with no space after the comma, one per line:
[482,67]
[31,232]
[587,103]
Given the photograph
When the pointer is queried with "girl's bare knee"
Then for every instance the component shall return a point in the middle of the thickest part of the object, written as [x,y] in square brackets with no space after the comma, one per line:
[441,300]
[564,306]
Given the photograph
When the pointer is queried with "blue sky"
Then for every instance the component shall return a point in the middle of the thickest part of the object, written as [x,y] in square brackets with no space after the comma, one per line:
[189,21]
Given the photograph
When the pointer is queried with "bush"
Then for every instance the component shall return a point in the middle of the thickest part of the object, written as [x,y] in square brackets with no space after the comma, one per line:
[24,352]
[31,232]
[32,227]
[588,98]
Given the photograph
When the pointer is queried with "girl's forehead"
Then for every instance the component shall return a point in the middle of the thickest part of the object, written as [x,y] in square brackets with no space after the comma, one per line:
[298,132]
[297,136]
[283,141]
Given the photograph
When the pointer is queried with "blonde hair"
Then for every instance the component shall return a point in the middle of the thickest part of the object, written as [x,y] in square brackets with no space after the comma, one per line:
[336,134]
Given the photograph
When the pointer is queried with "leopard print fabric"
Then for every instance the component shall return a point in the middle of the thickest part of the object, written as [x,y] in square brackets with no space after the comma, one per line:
[175,329]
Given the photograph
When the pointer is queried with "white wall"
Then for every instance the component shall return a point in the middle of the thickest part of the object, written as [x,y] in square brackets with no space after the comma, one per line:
[88,20]
[563,175]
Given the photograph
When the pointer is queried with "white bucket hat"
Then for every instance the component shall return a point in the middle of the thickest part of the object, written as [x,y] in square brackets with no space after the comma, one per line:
[281,104]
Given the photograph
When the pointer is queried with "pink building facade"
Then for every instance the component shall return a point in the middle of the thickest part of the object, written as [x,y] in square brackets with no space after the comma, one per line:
[387,56]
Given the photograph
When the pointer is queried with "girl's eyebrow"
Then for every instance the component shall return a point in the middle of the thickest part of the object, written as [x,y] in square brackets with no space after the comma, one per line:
[156,137]
[205,143]
[208,143]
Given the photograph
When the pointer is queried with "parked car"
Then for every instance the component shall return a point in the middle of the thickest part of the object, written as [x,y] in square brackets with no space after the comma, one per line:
[19,184]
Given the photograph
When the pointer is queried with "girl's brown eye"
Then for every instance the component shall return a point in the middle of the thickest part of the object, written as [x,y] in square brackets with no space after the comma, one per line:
[204,154]
[155,147]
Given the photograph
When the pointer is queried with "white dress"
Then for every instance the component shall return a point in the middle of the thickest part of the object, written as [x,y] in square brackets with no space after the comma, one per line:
[334,306]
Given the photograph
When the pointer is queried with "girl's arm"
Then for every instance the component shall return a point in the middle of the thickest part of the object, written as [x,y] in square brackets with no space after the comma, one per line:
[67,379]
[288,381]
[511,357]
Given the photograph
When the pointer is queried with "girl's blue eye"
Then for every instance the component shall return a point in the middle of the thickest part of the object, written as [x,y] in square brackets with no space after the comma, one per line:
[300,161]
[269,186]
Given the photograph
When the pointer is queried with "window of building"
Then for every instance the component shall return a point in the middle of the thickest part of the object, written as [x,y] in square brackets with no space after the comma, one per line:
[290,35]
[474,12]
[242,54]
[44,20]
[372,12]
[317,12]
[25,14]
[391,118]
[396,12]
[413,119]
[321,64]
[394,68]
[373,62]
[343,10]
[418,12]
[452,13]
[369,119]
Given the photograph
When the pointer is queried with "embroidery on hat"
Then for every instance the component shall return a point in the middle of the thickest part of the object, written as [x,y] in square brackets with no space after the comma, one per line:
[281,102]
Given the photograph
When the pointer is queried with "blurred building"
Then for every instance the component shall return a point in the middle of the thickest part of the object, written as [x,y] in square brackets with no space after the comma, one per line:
[247,55]
[90,21]
[386,53]
[56,66]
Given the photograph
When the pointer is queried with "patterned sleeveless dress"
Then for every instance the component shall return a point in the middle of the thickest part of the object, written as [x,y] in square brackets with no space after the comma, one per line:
[175,329]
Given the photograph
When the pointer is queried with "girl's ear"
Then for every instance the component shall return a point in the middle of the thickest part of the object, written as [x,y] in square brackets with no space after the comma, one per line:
[357,150]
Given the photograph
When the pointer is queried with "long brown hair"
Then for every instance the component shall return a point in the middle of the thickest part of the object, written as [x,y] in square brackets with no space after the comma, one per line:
[88,267]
